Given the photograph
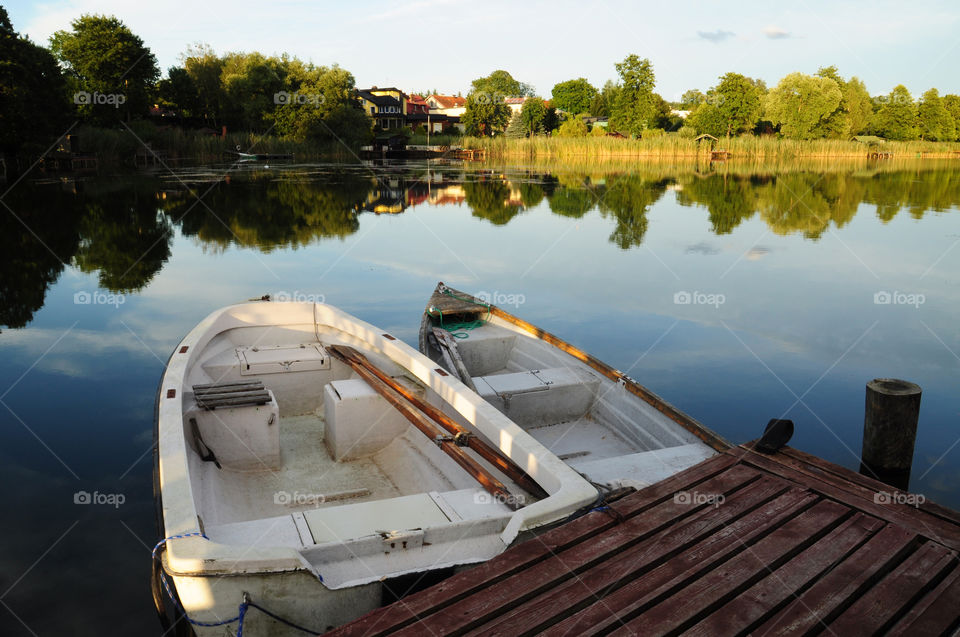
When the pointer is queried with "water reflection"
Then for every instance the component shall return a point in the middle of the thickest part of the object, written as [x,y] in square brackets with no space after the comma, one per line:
[122,228]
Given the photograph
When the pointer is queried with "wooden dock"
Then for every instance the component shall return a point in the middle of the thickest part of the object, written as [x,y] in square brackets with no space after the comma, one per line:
[740,544]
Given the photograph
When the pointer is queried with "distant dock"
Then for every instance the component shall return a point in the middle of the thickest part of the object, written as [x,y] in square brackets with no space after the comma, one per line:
[742,543]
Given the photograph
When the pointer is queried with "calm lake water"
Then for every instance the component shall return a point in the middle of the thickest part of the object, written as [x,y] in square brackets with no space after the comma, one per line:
[739,293]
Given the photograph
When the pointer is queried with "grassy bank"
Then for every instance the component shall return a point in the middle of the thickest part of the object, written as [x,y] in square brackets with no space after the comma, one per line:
[668,146]
[120,145]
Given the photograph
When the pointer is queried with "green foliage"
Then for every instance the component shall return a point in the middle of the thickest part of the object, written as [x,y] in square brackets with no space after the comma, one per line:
[34,109]
[501,84]
[318,104]
[573,202]
[573,96]
[602,104]
[635,107]
[897,117]
[484,114]
[691,99]
[490,200]
[800,102]
[687,132]
[934,121]
[852,116]
[534,115]
[952,104]
[178,92]
[516,128]
[597,131]
[105,58]
[573,127]
[731,107]
[205,68]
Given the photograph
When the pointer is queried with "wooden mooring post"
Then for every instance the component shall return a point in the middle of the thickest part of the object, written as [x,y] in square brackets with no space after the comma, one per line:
[890,430]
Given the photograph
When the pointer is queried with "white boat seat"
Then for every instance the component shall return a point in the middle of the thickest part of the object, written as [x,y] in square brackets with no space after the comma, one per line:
[540,396]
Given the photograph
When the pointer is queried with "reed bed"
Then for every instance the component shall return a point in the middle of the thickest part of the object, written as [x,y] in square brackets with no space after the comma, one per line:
[675,146]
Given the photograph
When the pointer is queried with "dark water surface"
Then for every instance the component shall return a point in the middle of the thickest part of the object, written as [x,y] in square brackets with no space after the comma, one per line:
[738,293]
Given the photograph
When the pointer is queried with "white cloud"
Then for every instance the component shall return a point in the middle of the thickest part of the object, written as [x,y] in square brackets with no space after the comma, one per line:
[775,32]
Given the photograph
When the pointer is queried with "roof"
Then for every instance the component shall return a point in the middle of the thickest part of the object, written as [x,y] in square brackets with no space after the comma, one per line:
[514,100]
[416,99]
[448,101]
[385,89]
[379,100]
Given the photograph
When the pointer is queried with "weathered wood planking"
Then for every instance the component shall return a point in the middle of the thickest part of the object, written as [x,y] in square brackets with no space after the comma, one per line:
[796,546]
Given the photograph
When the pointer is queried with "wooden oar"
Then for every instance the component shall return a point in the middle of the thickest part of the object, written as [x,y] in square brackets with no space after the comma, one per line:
[489,453]
[420,420]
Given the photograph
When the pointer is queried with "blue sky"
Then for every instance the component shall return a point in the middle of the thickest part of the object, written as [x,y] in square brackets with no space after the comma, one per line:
[444,44]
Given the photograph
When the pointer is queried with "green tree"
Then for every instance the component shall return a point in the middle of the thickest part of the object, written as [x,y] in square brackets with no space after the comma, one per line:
[490,200]
[515,129]
[573,127]
[573,96]
[33,98]
[852,115]
[205,68]
[602,104]
[534,115]
[635,107]
[178,92]
[501,84]
[105,58]
[952,104]
[897,117]
[484,115]
[318,103]
[251,82]
[691,99]
[934,121]
[731,107]
[800,102]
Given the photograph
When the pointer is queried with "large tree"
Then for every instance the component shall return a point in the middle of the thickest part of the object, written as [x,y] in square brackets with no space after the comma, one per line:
[934,121]
[501,84]
[33,98]
[205,67]
[853,113]
[533,114]
[635,108]
[800,102]
[897,117]
[109,64]
[602,104]
[952,104]
[318,103]
[731,107]
[573,96]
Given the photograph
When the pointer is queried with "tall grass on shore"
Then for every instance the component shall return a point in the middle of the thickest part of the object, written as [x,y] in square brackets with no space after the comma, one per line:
[675,146]
[120,145]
